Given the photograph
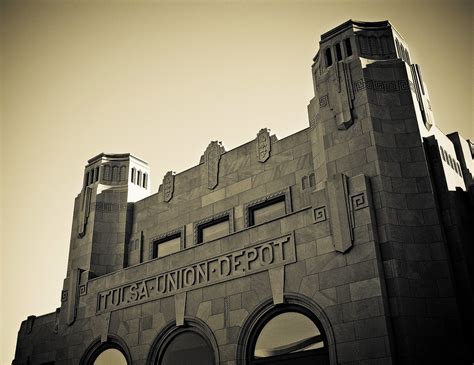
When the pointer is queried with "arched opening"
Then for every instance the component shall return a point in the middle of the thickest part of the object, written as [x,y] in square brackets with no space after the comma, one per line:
[297,332]
[289,337]
[110,356]
[187,347]
[190,344]
[114,351]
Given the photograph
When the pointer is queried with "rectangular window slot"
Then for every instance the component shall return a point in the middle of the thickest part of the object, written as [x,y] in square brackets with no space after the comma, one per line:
[214,229]
[267,210]
[166,246]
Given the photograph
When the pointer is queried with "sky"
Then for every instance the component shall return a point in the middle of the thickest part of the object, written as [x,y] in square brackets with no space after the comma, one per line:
[161,80]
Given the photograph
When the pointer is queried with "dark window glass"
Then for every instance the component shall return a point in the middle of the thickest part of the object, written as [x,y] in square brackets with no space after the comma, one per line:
[144,180]
[139,178]
[347,44]
[110,356]
[166,246]
[338,52]
[214,229]
[290,338]
[188,348]
[97,174]
[328,57]
[268,210]
[312,180]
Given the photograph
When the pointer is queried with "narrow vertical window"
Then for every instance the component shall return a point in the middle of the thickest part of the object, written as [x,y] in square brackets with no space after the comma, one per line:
[115,173]
[328,57]
[106,172]
[97,173]
[338,52]
[132,179]
[139,178]
[348,46]
[304,182]
[86,179]
[123,173]
[144,180]
[312,180]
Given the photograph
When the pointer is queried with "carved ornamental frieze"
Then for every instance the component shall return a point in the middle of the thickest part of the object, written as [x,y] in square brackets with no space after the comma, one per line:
[212,157]
[168,186]
[264,144]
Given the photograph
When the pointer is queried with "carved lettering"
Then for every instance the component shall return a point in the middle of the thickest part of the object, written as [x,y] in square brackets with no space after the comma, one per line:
[262,256]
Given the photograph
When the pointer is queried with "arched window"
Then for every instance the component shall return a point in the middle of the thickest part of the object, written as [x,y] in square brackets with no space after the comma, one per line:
[106,172]
[123,172]
[114,351]
[190,344]
[297,332]
[115,173]
[328,57]
[110,356]
[290,338]
[187,348]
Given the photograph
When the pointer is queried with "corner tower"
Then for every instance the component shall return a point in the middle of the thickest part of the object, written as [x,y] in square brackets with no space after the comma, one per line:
[102,213]
[371,115]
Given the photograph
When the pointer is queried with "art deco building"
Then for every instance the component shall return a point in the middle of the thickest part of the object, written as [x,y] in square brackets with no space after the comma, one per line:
[350,241]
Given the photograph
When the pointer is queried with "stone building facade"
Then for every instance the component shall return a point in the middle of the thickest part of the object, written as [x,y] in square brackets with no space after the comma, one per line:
[350,241]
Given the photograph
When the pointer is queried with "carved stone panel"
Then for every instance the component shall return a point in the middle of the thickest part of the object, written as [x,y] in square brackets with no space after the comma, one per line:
[264,144]
[341,95]
[84,210]
[340,213]
[212,157]
[168,186]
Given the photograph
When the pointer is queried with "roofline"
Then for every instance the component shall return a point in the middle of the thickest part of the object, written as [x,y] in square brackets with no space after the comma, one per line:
[383,24]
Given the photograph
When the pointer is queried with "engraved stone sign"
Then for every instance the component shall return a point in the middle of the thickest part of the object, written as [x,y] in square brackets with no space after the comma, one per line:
[234,264]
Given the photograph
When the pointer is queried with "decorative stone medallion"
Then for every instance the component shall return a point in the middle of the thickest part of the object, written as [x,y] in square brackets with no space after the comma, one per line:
[212,158]
[168,186]
[264,145]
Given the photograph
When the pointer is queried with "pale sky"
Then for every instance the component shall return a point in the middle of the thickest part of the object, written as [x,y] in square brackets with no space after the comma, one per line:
[161,80]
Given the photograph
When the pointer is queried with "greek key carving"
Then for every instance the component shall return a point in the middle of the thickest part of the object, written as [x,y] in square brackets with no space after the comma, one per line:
[168,186]
[64,295]
[383,86]
[82,289]
[323,101]
[264,144]
[320,214]
[110,207]
[359,201]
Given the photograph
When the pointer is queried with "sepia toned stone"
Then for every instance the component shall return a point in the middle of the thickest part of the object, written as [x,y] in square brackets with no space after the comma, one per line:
[359,227]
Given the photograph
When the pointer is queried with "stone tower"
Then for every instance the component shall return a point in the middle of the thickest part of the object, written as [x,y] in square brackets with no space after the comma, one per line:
[102,218]
[370,115]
